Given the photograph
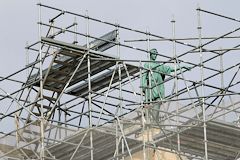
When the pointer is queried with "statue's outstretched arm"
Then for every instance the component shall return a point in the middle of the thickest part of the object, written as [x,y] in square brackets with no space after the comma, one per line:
[181,67]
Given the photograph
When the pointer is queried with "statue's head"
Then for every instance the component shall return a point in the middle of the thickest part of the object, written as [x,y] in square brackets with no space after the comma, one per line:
[153,54]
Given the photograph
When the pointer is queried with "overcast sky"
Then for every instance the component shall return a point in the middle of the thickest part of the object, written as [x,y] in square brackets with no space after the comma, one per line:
[19,20]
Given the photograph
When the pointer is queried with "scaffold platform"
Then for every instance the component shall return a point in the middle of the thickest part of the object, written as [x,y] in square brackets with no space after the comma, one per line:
[223,140]
[71,54]
[103,145]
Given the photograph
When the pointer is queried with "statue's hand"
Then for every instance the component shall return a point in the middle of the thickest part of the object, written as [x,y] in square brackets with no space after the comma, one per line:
[187,68]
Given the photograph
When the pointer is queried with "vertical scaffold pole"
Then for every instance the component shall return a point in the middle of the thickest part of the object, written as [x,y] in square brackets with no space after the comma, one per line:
[65,120]
[89,87]
[117,140]
[41,84]
[175,79]
[202,83]
[27,72]
[27,60]
[222,81]
[75,30]
[142,114]
[149,91]
[17,114]
[119,80]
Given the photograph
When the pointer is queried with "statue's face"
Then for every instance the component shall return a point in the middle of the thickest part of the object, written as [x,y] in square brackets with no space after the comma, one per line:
[153,57]
[153,54]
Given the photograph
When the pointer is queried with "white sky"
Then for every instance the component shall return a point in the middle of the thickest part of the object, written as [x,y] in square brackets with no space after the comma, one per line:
[18,19]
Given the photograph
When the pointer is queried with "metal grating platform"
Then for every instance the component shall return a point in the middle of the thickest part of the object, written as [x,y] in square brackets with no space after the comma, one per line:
[223,141]
[71,54]
[101,81]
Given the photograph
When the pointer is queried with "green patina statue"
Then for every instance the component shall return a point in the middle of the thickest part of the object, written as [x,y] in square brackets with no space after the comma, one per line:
[152,81]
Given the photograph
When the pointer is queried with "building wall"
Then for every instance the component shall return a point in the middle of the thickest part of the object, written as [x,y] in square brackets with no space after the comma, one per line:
[152,154]
[155,155]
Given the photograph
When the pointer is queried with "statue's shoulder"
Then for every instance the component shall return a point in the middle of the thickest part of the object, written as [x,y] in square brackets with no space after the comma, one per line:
[150,65]
[161,66]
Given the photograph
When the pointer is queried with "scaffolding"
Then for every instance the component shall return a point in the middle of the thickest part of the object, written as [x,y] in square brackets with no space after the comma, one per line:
[82,98]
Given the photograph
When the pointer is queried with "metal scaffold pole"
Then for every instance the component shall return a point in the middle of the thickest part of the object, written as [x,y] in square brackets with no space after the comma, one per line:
[75,30]
[202,85]
[120,102]
[89,87]
[222,82]
[176,80]
[143,112]
[42,150]
[148,110]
